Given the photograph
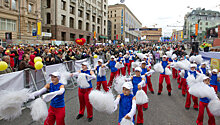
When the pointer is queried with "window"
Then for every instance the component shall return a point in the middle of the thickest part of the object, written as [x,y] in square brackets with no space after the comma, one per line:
[63,20]
[93,28]
[87,16]
[7,24]
[98,21]
[30,8]
[72,10]
[104,13]
[80,13]
[114,31]
[207,23]
[104,31]
[14,4]
[28,27]
[115,20]
[80,24]
[200,28]
[72,37]
[63,5]
[33,26]
[115,26]
[104,22]
[200,23]
[93,18]
[48,18]
[115,15]
[71,22]
[105,7]
[98,30]
[87,26]
[48,3]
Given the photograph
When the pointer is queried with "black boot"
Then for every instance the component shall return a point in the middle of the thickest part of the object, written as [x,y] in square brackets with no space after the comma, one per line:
[169,93]
[90,119]
[79,116]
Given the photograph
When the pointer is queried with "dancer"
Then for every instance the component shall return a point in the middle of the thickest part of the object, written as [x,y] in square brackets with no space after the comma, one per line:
[121,59]
[127,103]
[114,71]
[56,110]
[214,80]
[83,93]
[165,64]
[101,80]
[193,72]
[127,63]
[144,72]
[203,103]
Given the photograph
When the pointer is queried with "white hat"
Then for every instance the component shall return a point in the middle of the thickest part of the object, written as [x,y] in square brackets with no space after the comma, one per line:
[120,53]
[206,77]
[164,56]
[143,62]
[138,69]
[85,64]
[193,65]
[100,60]
[203,63]
[112,57]
[215,70]
[127,85]
[187,56]
[145,57]
[131,51]
[127,51]
[57,74]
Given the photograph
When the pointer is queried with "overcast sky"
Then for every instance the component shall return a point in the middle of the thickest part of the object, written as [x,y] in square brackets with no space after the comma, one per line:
[165,12]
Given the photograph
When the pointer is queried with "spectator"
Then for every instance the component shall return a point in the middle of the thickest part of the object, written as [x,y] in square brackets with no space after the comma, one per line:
[9,69]
[31,62]
[24,63]
[157,57]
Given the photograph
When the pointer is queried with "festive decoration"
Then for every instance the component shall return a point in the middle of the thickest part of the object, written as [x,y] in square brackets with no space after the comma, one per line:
[205,44]
[37,59]
[95,56]
[80,41]
[38,65]
[3,65]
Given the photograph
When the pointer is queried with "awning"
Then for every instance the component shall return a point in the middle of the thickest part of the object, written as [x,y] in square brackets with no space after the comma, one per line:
[103,37]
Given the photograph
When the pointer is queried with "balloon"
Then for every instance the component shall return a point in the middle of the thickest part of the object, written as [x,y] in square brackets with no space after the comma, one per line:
[83,40]
[3,65]
[95,56]
[37,59]
[38,65]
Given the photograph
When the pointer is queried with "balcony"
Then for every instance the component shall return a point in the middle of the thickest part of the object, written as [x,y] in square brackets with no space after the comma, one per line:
[88,9]
[81,5]
[94,11]
[73,1]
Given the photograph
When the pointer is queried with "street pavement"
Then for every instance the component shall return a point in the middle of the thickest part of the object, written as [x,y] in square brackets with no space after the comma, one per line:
[163,110]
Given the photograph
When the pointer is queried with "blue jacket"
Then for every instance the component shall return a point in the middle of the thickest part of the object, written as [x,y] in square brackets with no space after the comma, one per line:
[164,64]
[125,106]
[57,101]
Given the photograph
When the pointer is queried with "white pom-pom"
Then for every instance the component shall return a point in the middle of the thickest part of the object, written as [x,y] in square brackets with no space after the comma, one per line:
[141,97]
[82,81]
[126,122]
[214,107]
[158,68]
[174,56]
[199,90]
[118,83]
[199,77]
[140,55]
[134,65]
[192,58]
[39,110]
[102,101]
[169,54]
[178,65]
[64,77]
[191,80]
[182,73]
[198,59]
[11,103]
[102,72]
[186,64]
[168,71]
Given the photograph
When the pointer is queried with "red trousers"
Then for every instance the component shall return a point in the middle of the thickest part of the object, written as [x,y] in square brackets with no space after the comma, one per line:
[128,66]
[149,84]
[202,107]
[112,76]
[215,87]
[104,85]
[145,90]
[188,100]
[140,117]
[123,71]
[178,77]
[167,79]
[84,102]
[174,72]
[55,114]
[184,86]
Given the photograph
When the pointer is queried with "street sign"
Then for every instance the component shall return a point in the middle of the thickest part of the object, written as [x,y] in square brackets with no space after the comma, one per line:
[46,34]
[34,32]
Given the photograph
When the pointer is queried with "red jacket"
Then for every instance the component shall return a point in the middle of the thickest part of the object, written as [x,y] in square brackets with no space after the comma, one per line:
[31,62]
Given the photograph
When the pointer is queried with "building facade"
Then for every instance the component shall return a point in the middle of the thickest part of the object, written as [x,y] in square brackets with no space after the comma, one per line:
[177,35]
[68,20]
[152,34]
[204,18]
[121,20]
[18,21]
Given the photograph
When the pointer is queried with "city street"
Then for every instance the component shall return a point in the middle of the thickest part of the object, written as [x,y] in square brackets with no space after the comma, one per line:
[163,110]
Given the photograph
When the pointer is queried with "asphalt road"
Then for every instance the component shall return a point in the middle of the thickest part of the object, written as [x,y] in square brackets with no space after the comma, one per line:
[163,110]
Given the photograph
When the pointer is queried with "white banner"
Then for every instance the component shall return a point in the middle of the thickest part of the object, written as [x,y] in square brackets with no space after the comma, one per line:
[12,81]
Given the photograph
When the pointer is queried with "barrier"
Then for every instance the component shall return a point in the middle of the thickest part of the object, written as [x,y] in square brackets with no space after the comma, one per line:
[36,80]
